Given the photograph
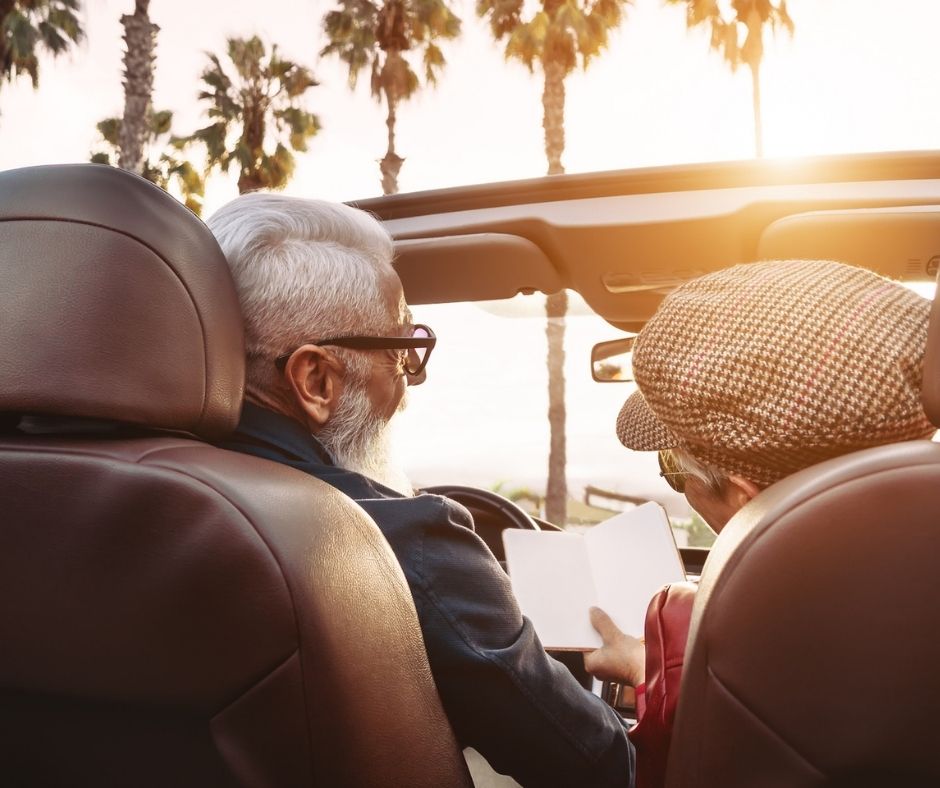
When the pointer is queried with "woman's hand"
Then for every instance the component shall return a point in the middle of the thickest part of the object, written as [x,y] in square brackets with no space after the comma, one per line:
[622,658]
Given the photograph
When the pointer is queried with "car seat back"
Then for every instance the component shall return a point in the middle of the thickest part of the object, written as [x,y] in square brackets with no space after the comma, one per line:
[173,613]
[813,651]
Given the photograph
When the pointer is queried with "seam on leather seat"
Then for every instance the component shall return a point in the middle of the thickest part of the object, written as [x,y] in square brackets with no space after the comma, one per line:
[185,443]
[217,493]
[60,451]
[252,687]
[267,671]
[290,590]
[763,724]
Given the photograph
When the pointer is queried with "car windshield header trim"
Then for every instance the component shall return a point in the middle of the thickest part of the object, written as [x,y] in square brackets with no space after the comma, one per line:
[905,165]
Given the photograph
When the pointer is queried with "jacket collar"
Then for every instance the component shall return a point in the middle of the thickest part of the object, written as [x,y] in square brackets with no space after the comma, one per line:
[261,425]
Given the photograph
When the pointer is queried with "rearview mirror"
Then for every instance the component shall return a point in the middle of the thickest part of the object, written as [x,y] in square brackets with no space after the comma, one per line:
[612,362]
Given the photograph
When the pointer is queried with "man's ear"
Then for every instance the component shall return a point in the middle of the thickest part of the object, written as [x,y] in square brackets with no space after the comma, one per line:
[739,491]
[314,377]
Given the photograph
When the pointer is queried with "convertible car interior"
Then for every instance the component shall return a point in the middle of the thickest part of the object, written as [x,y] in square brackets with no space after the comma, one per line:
[177,614]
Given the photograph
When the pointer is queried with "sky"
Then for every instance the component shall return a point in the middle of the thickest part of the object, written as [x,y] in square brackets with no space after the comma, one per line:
[858,75]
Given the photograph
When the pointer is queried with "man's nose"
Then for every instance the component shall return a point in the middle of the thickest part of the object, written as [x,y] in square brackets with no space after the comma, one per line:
[416,380]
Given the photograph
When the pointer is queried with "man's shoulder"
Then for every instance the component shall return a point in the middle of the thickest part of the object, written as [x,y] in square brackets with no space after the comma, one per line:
[423,510]
[433,538]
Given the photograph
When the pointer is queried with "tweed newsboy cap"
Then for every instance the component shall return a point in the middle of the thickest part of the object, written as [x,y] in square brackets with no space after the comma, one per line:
[764,369]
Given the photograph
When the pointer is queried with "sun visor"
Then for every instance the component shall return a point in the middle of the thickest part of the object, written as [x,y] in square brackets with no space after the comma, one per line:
[477,267]
[901,243]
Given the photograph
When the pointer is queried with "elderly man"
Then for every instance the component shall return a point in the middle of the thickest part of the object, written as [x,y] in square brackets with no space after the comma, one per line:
[750,374]
[331,348]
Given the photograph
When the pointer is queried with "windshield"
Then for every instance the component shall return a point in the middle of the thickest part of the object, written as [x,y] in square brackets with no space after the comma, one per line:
[481,417]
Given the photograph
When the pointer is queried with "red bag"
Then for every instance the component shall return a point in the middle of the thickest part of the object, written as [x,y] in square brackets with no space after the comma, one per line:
[667,632]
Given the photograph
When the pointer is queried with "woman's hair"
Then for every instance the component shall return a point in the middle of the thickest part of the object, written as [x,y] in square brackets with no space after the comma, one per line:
[304,270]
[712,477]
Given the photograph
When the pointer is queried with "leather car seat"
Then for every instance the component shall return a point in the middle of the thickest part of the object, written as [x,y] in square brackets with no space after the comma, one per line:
[172,614]
[814,645]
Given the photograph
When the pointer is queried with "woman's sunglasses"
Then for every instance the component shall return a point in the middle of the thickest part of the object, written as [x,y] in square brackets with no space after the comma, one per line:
[669,470]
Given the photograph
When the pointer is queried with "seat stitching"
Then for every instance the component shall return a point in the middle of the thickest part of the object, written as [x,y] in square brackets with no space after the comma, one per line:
[252,687]
[290,591]
[765,725]
[205,484]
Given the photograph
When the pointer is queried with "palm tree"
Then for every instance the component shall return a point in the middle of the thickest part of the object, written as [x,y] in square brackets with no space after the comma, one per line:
[254,102]
[380,36]
[556,483]
[558,37]
[750,18]
[166,168]
[140,36]
[29,26]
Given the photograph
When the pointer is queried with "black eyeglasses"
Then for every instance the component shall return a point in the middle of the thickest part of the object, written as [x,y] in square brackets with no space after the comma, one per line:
[669,470]
[418,346]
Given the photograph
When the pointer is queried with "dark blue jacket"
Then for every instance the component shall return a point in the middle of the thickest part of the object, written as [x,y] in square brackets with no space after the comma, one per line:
[503,695]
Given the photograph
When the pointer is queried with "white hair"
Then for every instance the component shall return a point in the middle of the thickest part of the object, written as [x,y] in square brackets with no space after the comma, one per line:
[360,440]
[304,269]
[712,477]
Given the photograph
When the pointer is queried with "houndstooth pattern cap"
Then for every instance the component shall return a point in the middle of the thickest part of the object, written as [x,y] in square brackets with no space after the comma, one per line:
[767,368]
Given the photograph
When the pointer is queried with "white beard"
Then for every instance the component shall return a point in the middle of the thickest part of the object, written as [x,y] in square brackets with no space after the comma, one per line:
[361,441]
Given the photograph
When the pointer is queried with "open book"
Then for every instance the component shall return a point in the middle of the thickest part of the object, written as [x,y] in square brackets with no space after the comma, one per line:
[618,566]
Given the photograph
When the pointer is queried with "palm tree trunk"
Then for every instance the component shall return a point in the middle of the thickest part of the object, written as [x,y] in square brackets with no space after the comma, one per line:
[556,305]
[140,36]
[253,175]
[556,487]
[758,126]
[390,165]
[249,181]
[553,117]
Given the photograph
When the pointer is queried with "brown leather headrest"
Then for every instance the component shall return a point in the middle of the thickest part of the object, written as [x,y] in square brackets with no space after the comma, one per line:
[930,389]
[115,303]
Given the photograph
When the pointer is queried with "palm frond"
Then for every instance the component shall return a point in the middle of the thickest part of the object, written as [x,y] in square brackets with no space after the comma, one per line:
[560,48]
[160,123]
[375,78]
[527,41]
[52,39]
[433,63]
[63,18]
[352,41]
[430,19]
[298,80]
[110,130]
[225,105]
[302,125]
[33,26]
[191,183]
[505,16]
[213,137]
[246,55]
[254,101]
[164,163]
[278,168]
